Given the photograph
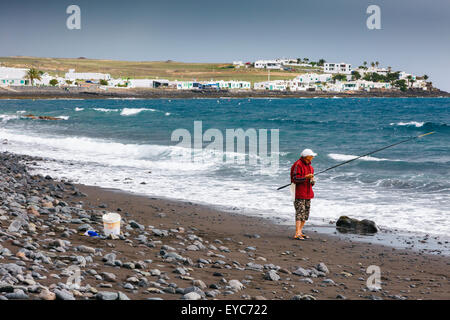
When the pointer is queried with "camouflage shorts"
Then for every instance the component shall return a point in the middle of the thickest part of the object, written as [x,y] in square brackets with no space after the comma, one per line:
[302,207]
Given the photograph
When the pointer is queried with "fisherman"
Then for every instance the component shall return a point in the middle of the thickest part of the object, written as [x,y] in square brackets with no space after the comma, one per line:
[302,175]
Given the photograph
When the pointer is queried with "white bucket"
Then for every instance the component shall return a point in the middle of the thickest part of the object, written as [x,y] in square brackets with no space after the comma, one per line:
[111,223]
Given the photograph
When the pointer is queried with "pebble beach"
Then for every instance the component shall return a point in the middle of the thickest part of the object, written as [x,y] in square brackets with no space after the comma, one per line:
[175,250]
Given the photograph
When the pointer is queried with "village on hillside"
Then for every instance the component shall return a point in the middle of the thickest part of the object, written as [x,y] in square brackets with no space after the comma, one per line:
[325,77]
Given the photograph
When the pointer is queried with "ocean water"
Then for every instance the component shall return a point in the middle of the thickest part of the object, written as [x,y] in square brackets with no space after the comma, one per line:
[126,144]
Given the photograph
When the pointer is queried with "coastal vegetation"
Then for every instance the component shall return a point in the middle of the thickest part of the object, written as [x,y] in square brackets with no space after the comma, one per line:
[33,74]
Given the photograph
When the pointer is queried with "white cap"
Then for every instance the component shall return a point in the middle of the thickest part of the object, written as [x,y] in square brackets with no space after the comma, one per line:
[308,152]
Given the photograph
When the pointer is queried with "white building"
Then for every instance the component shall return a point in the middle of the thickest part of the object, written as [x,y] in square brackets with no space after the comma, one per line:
[46,78]
[309,81]
[419,84]
[404,75]
[187,85]
[313,78]
[140,83]
[342,67]
[285,62]
[367,85]
[276,85]
[268,64]
[233,84]
[13,76]
[357,85]
[72,75]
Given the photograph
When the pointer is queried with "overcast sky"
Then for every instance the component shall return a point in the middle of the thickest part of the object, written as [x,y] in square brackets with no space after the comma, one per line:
[414,35]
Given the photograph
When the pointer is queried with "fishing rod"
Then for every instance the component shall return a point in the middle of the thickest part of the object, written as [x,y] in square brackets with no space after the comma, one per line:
[364,155]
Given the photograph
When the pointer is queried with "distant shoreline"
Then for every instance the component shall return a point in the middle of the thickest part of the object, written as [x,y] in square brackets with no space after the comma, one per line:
[95,93]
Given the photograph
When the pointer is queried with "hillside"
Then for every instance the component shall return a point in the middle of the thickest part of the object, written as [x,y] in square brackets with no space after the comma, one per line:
[170,70]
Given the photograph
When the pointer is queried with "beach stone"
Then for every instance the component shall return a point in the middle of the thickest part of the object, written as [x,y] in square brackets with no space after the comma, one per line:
[46,294]
[199,283]
[347,224]
[4,287]
[180,270]
[188,261]
[191,296]
[12,268]
[122,296]
[254,266]
[170,290]
[86,249]
[301,272]
[64,295]
[329,281]
[155,272]
[84,227]
[160,233]
[128,286]
[107,295]
[143,282]
[236,285]
[303,297]
[212,293]
[272,275]
[194,289]
[323,268]
[173,255]
[136,225]
[306,280]
[129,265]
[108,276]
[17,295]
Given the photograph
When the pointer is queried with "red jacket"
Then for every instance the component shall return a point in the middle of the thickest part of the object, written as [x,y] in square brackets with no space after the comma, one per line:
[304,188]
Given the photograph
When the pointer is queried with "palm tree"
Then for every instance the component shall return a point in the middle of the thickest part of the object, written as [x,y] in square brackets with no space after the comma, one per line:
[377,63]
[365,64]
[409,80]
[372,64]
[321,62]
[33,74]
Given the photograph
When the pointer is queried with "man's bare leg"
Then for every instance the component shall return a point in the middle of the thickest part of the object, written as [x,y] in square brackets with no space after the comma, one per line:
[302,224]
[298,228]
[301,230]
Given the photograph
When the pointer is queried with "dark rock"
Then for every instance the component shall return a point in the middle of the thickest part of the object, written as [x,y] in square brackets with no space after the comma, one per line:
[347,224]
[17,295]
